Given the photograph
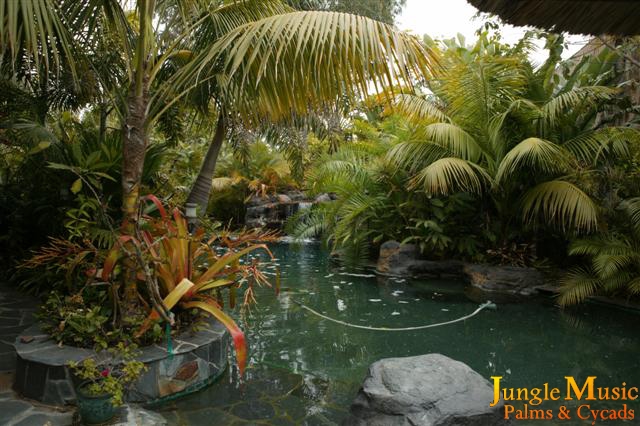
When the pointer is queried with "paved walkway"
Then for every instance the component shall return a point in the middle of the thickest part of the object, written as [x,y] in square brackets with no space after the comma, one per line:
[17,313]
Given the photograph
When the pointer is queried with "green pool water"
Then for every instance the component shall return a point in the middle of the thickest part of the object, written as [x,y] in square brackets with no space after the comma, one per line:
[306,370]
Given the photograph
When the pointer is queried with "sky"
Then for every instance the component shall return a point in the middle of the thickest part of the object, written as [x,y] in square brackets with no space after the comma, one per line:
[446,18]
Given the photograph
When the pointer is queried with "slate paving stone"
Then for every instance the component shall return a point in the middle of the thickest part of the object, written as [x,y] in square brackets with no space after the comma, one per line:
[39,419]
[11,408]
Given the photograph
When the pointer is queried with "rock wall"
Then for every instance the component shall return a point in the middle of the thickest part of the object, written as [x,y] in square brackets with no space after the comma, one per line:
[271,212]
[404,260]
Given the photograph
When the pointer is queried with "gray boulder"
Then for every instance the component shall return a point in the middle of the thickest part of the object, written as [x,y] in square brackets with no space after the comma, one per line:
[323,198]
[514,280]
[404,260]
[425,390]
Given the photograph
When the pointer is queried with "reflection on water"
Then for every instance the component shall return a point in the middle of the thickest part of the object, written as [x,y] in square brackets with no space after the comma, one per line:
[306,370]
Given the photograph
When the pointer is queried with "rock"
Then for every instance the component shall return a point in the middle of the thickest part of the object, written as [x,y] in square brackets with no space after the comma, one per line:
[427,390]
[404,260]
[283,199]
[295,195]
[272,211]
[323,198]
[504,279]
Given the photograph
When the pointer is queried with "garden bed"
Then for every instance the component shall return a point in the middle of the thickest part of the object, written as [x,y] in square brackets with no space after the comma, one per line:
[198,358]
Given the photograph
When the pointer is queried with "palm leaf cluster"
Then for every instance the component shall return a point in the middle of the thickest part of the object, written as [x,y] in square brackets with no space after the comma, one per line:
[496,127]
[613,261]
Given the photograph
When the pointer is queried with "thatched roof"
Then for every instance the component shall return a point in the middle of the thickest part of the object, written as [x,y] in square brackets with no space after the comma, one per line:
[595,17]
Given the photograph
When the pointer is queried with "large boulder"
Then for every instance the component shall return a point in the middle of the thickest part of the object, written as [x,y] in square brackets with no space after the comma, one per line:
[519,281]
[425,390]
[404,260]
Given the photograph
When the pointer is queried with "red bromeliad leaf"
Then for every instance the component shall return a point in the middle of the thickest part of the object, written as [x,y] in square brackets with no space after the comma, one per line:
[181,223]
[239,341]
[158,203]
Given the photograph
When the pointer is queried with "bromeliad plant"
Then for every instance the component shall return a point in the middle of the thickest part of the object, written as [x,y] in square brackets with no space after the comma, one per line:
[182,271]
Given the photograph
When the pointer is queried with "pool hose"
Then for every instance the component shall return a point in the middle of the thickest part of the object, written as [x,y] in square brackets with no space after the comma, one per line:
[488,304]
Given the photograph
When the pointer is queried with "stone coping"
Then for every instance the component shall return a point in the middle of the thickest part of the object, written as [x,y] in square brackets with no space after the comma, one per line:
[197,359]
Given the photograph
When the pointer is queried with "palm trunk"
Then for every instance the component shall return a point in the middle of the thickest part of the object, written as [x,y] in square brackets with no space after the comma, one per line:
[202,187]
[134,140]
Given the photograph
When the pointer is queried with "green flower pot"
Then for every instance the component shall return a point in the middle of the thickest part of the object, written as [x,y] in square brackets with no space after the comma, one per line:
[94,409]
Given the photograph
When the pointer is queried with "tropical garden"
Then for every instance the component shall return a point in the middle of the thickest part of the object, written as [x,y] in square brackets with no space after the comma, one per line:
[119,120]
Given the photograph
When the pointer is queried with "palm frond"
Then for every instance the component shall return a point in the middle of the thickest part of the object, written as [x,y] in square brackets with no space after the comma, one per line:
[419,108]
[37,28]
[230,15]
[561,204]
[574,99]
[455,139]
[295,62]
[577,286]
[608,141]
[449,175]
[632,209]
[412,155]
[532,154]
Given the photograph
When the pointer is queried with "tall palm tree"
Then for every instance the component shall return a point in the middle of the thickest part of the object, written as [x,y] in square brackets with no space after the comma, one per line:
[257,60]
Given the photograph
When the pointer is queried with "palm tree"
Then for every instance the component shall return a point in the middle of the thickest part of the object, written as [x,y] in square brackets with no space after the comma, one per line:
[257,60]
[495,127]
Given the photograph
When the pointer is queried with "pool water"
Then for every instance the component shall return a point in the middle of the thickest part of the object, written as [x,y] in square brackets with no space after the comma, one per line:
[303,369]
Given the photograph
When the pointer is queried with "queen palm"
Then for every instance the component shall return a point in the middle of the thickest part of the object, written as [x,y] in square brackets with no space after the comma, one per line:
[495,127]
[256,59]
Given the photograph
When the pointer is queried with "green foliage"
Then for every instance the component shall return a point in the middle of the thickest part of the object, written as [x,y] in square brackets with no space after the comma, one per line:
[612,261]
[518,137]
[497,157]
[76,321]
[257,170]
[111,373]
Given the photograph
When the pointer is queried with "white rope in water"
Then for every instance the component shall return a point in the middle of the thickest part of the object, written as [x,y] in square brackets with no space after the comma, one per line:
[487,304]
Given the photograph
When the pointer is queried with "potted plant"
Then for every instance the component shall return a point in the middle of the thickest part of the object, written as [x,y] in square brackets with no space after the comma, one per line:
[103,380]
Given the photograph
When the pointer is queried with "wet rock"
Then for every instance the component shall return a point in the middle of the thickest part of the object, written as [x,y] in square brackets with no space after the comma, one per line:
[504,279]
[404,260]
[323,198]
[283,198]
[428,390]
[272,211]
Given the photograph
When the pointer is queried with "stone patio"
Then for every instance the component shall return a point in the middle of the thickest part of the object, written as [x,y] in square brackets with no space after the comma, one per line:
[16,314]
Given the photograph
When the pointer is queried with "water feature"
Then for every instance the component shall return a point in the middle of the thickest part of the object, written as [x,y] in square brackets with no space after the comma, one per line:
[306,370]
